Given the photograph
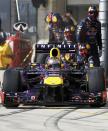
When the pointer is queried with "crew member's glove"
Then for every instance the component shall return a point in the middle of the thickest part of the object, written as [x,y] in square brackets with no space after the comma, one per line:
[100,53]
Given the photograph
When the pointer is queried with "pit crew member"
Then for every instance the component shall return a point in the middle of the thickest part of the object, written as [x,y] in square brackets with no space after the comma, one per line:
[6,54]
[55,23]
[89,31]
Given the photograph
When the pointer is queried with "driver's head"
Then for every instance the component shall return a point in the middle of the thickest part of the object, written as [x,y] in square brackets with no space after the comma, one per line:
[92,12]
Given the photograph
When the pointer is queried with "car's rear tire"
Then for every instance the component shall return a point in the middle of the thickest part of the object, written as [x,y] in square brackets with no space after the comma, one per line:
[96,84]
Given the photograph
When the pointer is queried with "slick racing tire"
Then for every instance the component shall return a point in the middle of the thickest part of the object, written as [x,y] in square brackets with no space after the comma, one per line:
[11,80]
[11,83]
[41,58]
[96,84]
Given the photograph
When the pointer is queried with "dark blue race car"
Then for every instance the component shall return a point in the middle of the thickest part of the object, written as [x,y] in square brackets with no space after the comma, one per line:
[56,82]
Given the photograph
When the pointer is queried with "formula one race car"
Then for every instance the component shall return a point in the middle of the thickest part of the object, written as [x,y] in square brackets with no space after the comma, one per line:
[54,83]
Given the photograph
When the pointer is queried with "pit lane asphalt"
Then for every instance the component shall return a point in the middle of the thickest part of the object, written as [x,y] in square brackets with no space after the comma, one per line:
[34,118]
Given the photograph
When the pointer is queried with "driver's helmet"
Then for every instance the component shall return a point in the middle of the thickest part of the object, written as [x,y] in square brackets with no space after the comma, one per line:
[68,34]
[92,12]
[2,37]
[53,63]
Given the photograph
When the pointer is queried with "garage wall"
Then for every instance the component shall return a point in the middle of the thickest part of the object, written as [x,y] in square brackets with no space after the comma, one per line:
[5,14]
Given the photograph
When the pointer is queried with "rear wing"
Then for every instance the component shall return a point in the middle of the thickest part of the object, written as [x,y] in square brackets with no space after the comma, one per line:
[64,48]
